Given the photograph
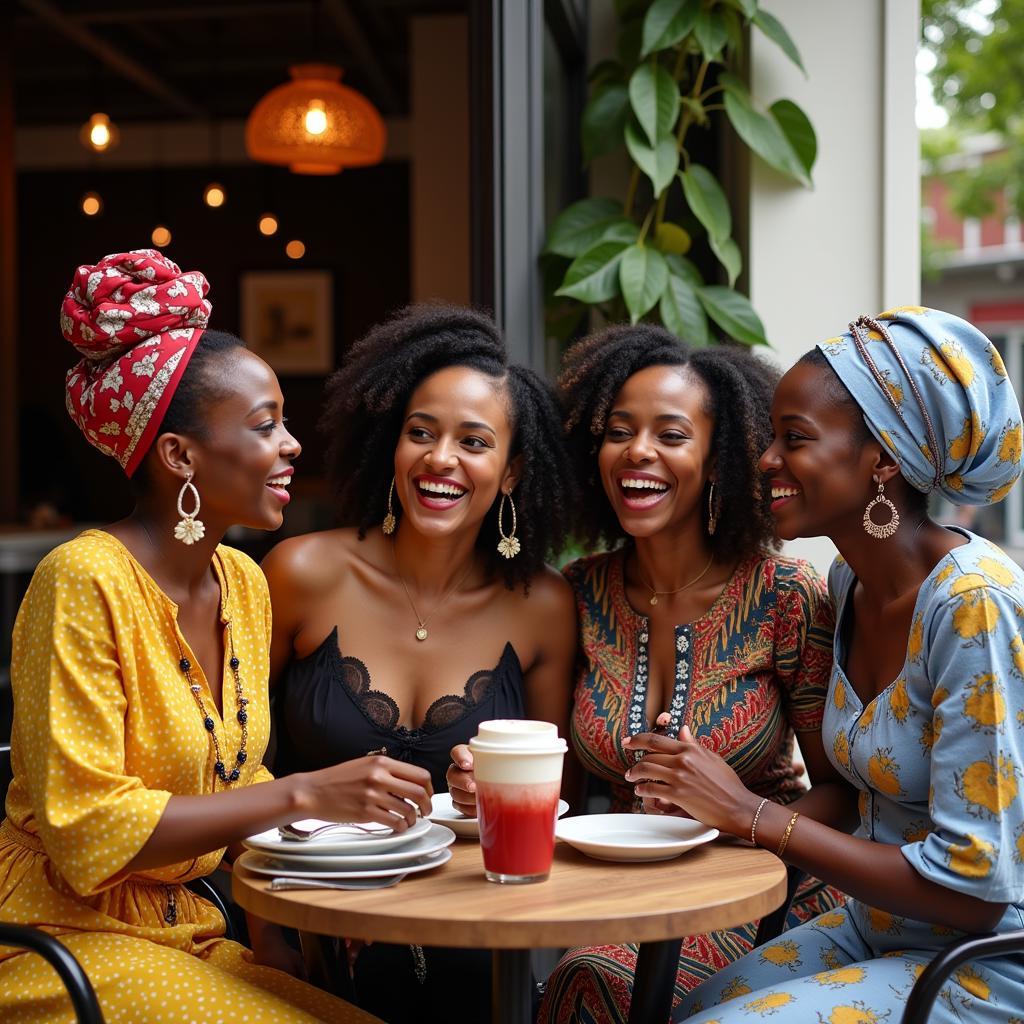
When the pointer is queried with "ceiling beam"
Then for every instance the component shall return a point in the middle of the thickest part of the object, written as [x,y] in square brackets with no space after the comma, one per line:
[359,46]
[117,61]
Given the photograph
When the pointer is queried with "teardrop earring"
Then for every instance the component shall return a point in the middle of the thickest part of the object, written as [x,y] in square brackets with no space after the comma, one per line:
[388,526]
[189,528]
[509,545]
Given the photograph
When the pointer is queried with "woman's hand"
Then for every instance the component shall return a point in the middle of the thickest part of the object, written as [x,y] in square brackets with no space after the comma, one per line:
[461,784]
[373,788]
[686,775]
[270,949]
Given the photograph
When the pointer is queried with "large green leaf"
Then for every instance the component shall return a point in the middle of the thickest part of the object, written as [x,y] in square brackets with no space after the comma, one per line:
[682,313]
[604,119]
[579,227]
[728,254]
[706,199]
[594,276]
[654,97]
[772,28]
[797,128]
[712,33]
[748,7]
[733,313]
[666,22]
[643,274]
[659,164]
[679,266]
[761,132]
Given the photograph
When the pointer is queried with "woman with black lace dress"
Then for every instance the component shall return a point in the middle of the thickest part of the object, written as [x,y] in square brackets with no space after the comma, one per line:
[430,609]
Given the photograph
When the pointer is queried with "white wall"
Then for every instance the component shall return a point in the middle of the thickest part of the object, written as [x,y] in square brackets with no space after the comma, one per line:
[817,259]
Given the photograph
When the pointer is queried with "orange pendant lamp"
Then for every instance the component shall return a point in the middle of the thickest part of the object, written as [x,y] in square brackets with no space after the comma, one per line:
[315,125]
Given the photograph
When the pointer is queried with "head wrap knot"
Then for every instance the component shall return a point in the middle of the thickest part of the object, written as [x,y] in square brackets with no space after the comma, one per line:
[933,389]
[136,320]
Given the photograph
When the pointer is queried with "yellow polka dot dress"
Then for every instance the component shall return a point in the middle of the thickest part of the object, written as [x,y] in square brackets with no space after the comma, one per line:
[105,731]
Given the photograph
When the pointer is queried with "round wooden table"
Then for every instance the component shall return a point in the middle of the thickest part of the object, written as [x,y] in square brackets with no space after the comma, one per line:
[584,902]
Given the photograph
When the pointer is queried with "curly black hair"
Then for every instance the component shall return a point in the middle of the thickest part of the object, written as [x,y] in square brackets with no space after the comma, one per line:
[739,387]
[366,406]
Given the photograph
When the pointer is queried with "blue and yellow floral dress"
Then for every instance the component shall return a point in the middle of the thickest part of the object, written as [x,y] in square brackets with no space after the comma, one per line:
[937,759]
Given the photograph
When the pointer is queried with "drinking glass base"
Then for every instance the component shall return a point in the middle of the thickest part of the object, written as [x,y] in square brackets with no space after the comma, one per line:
[503,879]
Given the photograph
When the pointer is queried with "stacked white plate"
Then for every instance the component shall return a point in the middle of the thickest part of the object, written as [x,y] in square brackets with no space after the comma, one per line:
[349,851]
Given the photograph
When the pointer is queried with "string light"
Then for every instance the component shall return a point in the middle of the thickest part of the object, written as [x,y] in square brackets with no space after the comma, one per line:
[92,204]
[215,195]
[99,133]
[268,224]
[161,236]
[295,249]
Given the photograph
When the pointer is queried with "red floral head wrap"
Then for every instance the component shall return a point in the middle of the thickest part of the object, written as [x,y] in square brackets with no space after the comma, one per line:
[136,319]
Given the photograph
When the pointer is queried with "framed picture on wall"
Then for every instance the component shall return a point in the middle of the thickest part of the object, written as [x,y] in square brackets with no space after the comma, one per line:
[287,319]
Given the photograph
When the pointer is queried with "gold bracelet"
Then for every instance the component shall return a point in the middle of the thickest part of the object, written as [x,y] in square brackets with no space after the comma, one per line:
[787,833]
[753,824]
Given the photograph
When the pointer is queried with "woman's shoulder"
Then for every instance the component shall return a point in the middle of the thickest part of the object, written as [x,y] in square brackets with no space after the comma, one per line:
[786,573]
[94,555]
[585,571]
[978,565]
[550,593]
[310,562]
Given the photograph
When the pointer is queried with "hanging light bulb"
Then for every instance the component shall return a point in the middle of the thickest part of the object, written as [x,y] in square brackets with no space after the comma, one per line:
[295,249]
[316,117]
[268,224]
[99,133]
[215,195]
[92,204]
[161,236]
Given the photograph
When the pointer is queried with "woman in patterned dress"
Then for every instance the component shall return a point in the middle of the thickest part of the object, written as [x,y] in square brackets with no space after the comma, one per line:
[925,710]
[139,673]
[689,615]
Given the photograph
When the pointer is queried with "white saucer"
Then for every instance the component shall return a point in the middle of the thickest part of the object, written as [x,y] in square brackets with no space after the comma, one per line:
[633,837]
[444,813]
[303,859]
[271,841]
[262,864]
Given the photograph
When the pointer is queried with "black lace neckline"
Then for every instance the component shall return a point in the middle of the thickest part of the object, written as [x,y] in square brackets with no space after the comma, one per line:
[383,712]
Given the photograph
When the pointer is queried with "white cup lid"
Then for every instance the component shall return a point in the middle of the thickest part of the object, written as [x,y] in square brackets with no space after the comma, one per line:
[517,736]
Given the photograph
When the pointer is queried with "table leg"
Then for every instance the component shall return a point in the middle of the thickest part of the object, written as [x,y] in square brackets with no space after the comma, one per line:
[325,966]
[656,966]
[512,989]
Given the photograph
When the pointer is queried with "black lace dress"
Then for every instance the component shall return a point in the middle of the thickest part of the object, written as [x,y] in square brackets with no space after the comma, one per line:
[326,711]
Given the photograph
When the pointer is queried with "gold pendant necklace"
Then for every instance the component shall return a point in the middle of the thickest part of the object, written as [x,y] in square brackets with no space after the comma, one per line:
[655,594]
[421,630]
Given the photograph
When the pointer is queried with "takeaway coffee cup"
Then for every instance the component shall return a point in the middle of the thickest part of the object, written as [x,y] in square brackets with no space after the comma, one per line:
[518,770]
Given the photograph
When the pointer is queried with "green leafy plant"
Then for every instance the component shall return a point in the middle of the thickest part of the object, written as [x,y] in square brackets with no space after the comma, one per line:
[676,71]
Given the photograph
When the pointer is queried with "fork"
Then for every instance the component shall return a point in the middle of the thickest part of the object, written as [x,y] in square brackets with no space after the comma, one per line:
[283,884]
[296,831]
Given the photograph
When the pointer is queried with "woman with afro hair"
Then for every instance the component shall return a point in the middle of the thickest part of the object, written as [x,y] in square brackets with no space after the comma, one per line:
[689,620]
[430,609]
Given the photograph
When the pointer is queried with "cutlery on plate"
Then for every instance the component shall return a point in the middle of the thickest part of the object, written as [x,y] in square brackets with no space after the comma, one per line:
[282,884]
[296,830]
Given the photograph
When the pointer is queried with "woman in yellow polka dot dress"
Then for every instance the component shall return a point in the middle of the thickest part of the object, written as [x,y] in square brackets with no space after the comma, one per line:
[925,710]
[139,672]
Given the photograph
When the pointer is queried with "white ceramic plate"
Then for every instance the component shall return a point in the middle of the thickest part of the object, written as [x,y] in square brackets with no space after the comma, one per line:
[635,837]
[262,864]
[437,837]
[444,813]
[271,841]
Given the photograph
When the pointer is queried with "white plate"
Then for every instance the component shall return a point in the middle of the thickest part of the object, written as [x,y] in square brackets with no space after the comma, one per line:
[633,836]
[444,813]
[437,837]
[262,864]
[272,842]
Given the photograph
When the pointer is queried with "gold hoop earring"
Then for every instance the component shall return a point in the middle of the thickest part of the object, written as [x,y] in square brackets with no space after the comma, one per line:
[189,529]
[881,531]
[389,524]
[712,518]
[509,545]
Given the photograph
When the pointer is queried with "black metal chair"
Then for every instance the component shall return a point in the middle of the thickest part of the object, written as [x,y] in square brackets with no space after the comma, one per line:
[57,955]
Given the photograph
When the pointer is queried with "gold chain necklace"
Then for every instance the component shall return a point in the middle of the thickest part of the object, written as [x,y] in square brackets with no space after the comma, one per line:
[655,594]
[421,631]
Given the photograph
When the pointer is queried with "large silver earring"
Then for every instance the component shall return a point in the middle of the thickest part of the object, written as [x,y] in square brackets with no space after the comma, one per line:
[712,518]
[388,526]
[509,545]
[881,531]
[190,528]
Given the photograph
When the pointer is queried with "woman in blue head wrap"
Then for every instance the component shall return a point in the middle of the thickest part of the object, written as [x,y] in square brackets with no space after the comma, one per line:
[925,711]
